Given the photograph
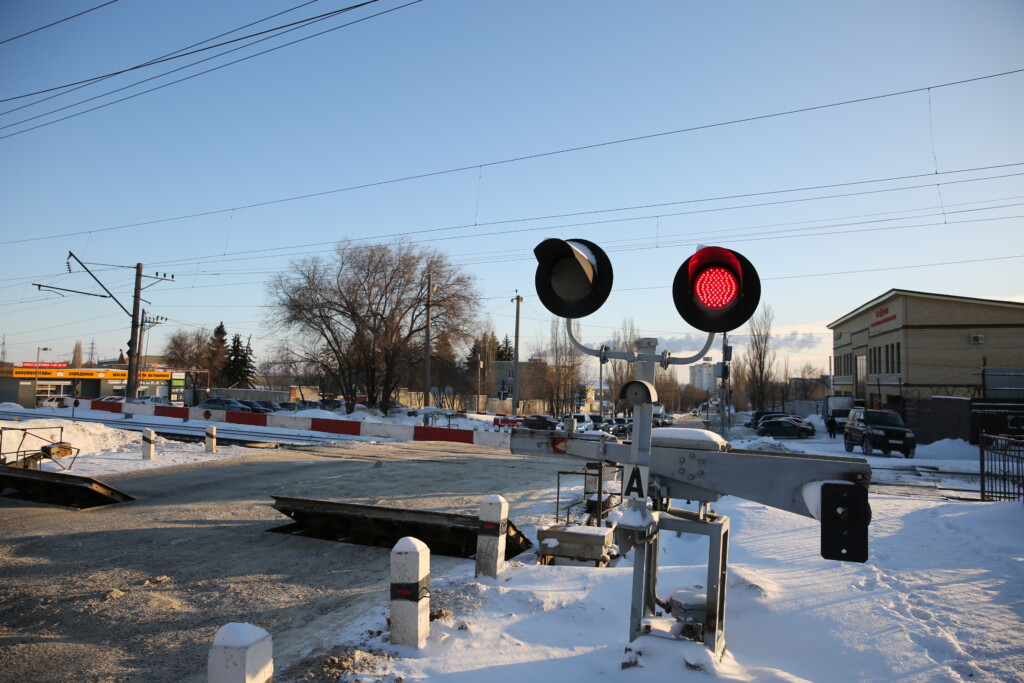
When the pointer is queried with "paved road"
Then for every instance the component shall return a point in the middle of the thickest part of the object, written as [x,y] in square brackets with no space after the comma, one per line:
[136,591]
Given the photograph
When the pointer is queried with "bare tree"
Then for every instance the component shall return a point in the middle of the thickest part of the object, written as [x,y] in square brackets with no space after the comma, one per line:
[667,386]
[363,308]
[187,348]
[759,363]
[618,372]
[563,374]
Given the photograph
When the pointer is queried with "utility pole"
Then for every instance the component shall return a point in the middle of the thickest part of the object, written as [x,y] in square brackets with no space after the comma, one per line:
[515,361]
[426,357]
[133,342]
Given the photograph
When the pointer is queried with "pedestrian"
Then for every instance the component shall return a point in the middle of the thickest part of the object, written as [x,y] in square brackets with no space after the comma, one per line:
[830,424]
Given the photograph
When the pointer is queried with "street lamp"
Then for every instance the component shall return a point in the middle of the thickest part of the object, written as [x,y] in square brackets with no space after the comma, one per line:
[35,387]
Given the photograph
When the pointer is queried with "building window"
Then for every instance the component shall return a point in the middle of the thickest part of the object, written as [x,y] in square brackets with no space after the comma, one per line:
[897,357]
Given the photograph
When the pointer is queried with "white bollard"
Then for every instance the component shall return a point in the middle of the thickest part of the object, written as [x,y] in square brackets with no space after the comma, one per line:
[241,653]
[148,440]
[410,592]
[490,539]
[211,439]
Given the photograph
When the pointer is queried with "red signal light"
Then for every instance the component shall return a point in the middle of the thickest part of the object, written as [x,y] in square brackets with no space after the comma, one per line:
[716,290]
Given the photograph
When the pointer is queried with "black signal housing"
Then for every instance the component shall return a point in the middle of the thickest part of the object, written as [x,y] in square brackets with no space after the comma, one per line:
[716,290]
[574,277]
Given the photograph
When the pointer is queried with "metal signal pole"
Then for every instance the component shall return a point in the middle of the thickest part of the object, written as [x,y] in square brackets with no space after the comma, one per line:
[426,356]
[515,362]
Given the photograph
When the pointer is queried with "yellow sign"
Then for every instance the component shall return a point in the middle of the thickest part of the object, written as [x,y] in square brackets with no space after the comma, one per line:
[78,373]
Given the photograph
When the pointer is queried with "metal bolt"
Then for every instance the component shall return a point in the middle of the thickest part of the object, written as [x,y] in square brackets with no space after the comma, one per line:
[691,455]
[690,477]
[700,461]
[700,471]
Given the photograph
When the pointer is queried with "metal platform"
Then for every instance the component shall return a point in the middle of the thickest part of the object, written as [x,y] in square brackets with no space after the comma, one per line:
[445,533]
[67,490]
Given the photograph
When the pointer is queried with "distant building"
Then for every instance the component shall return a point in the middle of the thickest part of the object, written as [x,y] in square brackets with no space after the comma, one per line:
[906,345]
[702,376]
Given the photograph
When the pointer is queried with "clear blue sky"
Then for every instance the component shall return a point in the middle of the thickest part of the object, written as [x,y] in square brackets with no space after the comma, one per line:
[446,84]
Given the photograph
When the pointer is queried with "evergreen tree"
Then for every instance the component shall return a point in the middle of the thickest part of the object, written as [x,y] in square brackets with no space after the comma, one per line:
[76,356]
[506,350]
[248,364]
[217,355]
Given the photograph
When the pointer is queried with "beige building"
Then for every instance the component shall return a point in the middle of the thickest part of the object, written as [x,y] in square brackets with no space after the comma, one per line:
[905,345]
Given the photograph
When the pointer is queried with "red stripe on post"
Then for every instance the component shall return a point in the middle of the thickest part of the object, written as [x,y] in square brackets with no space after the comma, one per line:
[332,426]
[256,419]
[109,406]
[442,434]
[170,411]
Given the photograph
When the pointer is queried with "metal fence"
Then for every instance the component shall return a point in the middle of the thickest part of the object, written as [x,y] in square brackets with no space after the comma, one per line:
[1002,468]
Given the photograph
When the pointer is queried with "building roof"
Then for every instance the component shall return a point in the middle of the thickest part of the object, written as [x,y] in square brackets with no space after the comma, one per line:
[893,293]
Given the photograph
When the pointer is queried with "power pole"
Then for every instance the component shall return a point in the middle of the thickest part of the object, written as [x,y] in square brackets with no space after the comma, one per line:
[515,361]
[133,342]
[426,357]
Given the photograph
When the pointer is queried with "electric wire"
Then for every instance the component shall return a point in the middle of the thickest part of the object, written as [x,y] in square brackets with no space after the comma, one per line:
[187,47]
[173,56]
[59,21]
[202,73]
[566,215]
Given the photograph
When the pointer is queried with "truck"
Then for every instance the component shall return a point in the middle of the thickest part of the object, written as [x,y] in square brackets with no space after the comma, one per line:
[838,407]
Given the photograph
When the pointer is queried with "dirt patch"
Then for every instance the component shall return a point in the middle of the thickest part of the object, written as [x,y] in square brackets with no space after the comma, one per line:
[137,591]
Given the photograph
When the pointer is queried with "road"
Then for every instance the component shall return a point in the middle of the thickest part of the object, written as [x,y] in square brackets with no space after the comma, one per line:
[136,591]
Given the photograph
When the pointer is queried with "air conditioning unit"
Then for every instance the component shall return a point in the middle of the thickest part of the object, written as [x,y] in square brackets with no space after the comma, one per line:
[977,339]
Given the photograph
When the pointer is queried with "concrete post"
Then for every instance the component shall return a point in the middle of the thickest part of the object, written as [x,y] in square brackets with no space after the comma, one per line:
[148,439]
[241,653]
[211,439]
[410,593]
[490,539]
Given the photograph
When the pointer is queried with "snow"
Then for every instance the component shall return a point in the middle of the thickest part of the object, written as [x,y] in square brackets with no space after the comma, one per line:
[238,635]
[941,597]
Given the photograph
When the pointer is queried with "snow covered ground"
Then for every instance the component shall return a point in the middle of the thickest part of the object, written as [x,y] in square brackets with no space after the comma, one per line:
[941,597]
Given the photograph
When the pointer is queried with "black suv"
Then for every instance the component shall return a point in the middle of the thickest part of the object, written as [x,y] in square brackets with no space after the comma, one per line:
[878,430]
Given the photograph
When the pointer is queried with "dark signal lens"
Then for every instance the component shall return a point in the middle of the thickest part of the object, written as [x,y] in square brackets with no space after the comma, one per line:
[716,288]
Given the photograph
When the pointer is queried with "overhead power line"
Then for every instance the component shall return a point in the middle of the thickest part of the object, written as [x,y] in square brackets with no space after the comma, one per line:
[173,56]
[187,47]
[59,21]
[515,220]
[195,75]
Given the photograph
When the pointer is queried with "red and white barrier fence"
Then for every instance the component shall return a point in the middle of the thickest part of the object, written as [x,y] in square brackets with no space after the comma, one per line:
[315,424]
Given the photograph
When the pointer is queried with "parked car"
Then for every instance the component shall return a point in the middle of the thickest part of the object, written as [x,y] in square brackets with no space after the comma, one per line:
[289,405]
[878,430]
[255,407]
[539,422]
[224,404]
[308,405]
[50,402]
[620,426]
[150,400]
[271,406]
[759,415]
[110,399]
[784,426]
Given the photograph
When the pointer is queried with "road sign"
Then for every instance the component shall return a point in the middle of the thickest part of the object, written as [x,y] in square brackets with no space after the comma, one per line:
[634,482]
